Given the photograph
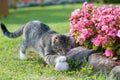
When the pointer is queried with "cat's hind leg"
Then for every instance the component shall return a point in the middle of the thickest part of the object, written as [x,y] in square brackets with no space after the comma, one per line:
[23,50]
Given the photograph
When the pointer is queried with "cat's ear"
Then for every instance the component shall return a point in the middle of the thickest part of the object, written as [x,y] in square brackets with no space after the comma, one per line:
[71,39]
[72,42]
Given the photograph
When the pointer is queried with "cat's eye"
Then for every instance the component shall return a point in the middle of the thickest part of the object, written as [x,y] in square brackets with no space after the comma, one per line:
[56,38]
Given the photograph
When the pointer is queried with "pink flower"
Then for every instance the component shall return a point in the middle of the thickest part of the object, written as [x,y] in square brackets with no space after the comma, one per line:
[112,33]
[90,6]
[97,41]
[118,33]
[100,25]
[85,32]
[104,28]
[87,15]
[90,32]
[108,53]
[81,25]
[113,22]
[81,39]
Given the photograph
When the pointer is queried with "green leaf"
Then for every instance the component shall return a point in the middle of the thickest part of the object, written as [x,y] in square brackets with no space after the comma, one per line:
[95,47]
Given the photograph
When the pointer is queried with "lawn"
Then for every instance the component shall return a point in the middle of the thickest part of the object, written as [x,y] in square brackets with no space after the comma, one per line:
[34,68]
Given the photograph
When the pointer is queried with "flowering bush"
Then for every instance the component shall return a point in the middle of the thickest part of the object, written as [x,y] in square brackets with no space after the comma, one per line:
[95,27]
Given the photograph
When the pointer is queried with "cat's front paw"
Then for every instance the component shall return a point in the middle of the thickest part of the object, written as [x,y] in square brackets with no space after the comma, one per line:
[61,66]
[61,59]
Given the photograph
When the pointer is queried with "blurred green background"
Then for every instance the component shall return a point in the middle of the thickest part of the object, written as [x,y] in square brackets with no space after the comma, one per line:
[34,68]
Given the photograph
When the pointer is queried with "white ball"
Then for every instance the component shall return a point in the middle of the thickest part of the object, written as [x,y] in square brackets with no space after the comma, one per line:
[61,66]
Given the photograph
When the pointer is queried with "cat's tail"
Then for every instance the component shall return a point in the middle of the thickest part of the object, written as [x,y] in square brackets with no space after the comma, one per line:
[11,34]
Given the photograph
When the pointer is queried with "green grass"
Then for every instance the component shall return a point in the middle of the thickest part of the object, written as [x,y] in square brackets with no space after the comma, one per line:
[34,68]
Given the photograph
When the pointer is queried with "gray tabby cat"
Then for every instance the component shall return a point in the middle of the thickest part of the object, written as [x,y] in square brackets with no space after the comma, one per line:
[49,44]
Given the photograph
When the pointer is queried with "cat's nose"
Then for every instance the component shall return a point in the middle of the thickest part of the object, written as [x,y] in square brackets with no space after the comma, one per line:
[64,53]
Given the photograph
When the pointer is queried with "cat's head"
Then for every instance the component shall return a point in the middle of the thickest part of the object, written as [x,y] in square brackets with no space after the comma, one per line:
[61,44]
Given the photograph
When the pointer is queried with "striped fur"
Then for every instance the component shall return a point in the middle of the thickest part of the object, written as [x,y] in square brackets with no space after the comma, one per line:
[48,43]
[11,34]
